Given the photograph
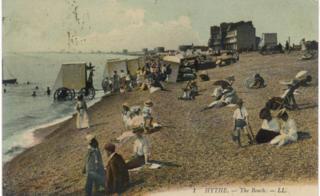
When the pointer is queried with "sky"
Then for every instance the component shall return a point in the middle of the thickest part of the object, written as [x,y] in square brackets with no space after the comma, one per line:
[113,25]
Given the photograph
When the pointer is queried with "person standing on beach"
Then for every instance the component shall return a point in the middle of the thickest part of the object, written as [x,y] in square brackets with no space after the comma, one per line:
[117,175]
[241,118]
[146,112]
[93,167]
[141,150]
[48,91]
[116,82]
[82,121]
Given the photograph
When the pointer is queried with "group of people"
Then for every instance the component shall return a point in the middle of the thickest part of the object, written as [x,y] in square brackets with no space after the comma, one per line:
[34,93]
[113,177]
[134,116]
[277,127]
[118,82]
[151,75]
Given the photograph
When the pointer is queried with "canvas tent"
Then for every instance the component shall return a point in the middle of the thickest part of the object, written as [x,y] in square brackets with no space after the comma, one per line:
[130,65]
[72,76]
[174,62]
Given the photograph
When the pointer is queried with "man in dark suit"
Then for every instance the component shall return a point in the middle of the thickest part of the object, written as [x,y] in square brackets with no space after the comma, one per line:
[117,175]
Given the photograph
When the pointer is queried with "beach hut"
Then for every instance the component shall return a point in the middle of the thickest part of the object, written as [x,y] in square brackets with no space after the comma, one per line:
[174,62]
[72,79]
[130,65]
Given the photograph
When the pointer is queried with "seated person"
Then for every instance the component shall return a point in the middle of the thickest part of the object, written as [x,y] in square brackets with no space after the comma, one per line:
[217,93]
[258,82]
[204,76]
[141,150]
[194,88]
[186,94]
[229,96]
[128,113]
[269,128]
[117,175]
[288,130]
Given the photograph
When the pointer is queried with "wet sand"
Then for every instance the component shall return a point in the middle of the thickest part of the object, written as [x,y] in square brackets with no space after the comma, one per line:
[195,146]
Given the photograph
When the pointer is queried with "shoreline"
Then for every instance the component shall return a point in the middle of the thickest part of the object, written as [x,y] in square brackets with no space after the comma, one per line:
[43,131]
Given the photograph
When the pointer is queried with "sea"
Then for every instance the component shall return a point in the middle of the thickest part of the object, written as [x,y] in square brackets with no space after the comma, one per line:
[23,113]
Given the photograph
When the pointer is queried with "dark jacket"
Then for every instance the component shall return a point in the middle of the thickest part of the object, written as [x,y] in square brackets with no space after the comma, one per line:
[117,175]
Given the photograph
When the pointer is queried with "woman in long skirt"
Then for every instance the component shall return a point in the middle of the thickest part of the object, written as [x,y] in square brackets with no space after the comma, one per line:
[82,121]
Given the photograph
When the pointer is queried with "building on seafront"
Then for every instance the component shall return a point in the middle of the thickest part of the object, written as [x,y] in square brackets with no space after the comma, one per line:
[269,40]
[240,36]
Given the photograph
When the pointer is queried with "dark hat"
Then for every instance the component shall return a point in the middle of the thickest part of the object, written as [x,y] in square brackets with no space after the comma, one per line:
[138,129]
[110,147]
[240,101]
[148,103]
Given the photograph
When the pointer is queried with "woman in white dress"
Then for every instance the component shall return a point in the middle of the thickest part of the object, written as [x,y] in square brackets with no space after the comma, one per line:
[82,121]
[288,130]
[270,127]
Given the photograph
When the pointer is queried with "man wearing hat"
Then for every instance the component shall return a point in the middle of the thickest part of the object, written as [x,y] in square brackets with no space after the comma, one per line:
[146,112]
[117,175]
[241,118]
[141,150]
[93,167]
[288,130]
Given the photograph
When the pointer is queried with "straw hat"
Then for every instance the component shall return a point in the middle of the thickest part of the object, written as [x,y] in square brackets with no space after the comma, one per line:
[125,104]
[90,137]
[301,75]
[148,103]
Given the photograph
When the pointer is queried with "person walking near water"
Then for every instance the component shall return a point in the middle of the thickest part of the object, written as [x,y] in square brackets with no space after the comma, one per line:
[82,120]
[34,94]
[93,167]
[116,82]
[117,175]
[48,91]
[241,118]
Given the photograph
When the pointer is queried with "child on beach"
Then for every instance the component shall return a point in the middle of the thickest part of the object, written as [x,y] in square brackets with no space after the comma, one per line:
[240,117]
[146,112]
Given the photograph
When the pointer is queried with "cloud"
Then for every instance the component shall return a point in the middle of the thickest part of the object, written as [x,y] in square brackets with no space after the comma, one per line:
[103,25]
[140,34]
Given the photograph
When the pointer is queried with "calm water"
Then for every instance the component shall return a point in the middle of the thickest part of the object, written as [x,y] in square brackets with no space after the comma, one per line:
[22,113]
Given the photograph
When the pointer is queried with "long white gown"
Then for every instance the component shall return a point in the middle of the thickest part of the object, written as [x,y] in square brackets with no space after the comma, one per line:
[82,120]
[288,133]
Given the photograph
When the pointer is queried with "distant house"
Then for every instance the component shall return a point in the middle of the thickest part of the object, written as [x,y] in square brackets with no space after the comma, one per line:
[184,48]
[269,40]
[233,36]
[159,49]
[192,47]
